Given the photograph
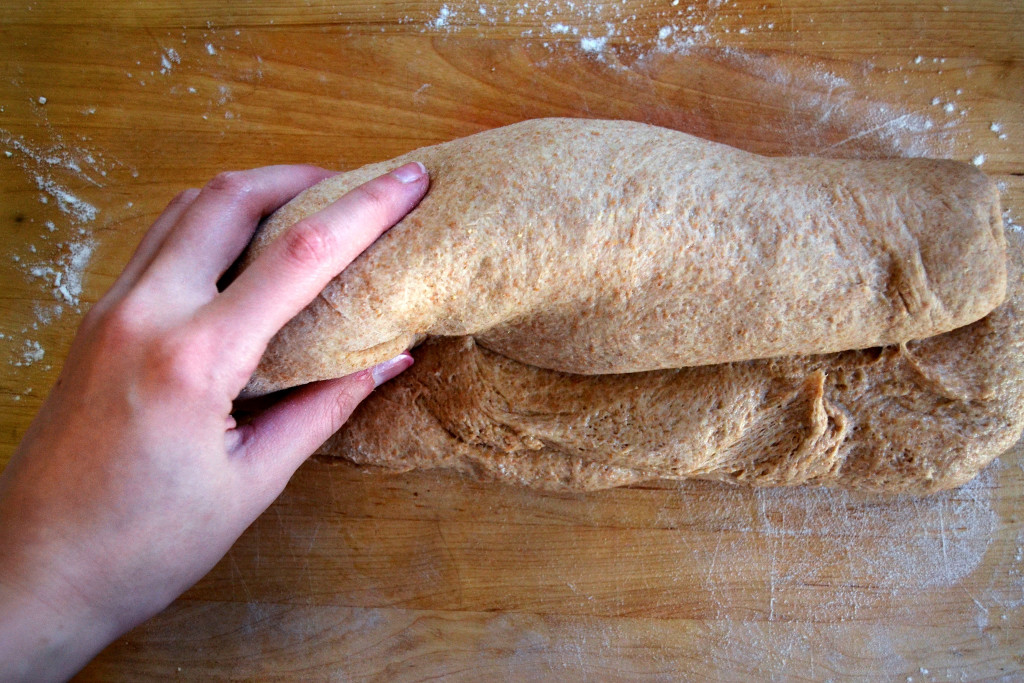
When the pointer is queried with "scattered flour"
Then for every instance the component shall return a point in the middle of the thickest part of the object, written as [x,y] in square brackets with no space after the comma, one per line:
[831,117]
[42,164]
[444,17]
[168,58]
[596,24]
[1010,223]
[57,256]
[801,537]
[63,274]
[831,539]
[79,209]
[675,28]
[31,353]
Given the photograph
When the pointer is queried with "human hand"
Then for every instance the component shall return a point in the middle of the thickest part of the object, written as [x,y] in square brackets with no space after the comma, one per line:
[134,479]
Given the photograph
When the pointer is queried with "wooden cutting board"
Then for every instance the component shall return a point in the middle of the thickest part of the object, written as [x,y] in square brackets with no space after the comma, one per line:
[108,109]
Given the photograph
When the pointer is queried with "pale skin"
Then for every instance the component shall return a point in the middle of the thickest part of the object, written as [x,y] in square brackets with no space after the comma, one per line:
[134,479]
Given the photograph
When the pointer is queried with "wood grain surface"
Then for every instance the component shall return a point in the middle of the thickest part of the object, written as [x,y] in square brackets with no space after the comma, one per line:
[109,109]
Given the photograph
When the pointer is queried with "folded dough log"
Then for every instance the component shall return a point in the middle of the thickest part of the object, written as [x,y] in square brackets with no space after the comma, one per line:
[918,417]
[597,247]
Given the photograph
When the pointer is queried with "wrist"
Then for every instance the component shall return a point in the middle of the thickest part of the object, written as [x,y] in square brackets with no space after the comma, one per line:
[44,635]
[50,623]
[44,640]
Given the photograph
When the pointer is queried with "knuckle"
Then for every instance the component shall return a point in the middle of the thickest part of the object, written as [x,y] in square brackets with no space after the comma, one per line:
[121,324]
[349,396]
[373,197]
[180,360]
[355,389]
[308,244]
[234,183]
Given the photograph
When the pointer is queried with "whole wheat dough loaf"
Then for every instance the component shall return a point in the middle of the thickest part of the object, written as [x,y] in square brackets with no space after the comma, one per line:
[916,417]
[597,247]
[605,303]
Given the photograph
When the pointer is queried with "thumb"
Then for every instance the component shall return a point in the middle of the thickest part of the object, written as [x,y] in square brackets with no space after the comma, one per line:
[280,438]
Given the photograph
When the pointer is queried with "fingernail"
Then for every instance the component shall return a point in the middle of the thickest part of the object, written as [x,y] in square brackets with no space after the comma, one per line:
[390,369]
[410,173]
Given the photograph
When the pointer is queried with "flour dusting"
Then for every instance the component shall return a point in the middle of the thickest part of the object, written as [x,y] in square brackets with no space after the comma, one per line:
[31,353]
[676,29]
[60,266]
[930,542]
[56,250]
[79,209]
[168,58]
[810,536]
[830,116]
[833,555]
[593,44]
[1010,223]
[444,17]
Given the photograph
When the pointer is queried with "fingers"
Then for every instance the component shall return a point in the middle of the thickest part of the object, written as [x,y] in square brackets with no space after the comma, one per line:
[300,263]
[210,234]
[284,435]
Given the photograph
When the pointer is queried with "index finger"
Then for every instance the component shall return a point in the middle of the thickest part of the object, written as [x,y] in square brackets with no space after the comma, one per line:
[220,221]
[286,277]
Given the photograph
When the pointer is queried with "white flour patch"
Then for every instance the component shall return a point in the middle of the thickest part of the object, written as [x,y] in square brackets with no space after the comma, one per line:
[45,313]
[31,353]
[79,209]
[168,58]
[1009,595]
[593,44]
[52,157]
[68,282]
[1010,223]
[997,128]
[63,274]
[443,18]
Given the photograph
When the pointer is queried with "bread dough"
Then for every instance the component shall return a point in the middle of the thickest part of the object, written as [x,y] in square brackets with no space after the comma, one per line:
[606,302]
[916,417]
[598,247]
